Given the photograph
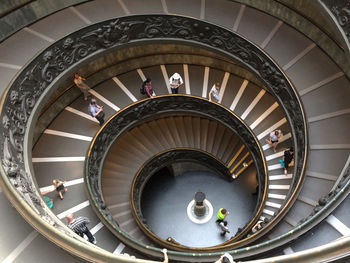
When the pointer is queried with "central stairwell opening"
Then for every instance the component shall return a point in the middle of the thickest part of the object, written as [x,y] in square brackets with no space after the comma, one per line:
[168,194]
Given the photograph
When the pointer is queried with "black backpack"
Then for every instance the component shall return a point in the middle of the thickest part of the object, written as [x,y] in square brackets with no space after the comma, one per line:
[143,89]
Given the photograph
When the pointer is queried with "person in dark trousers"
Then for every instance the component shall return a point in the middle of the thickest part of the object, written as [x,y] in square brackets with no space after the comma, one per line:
[214,93]
[221,215]
[97,111]
[59,187]
[287,159]
[175,82]
[78,226]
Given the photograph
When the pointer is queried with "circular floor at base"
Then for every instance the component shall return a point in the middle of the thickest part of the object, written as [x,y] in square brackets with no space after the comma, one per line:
[165,200]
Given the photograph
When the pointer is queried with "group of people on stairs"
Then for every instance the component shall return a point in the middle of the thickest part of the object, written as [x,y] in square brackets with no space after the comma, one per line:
[288,155]
[95,110]
[79,224]
[175,82]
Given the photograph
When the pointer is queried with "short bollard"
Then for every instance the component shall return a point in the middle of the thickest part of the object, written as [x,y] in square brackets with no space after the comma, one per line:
[199,207]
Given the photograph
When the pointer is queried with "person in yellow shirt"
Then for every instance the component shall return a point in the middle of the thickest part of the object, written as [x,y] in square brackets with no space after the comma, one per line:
[221,215]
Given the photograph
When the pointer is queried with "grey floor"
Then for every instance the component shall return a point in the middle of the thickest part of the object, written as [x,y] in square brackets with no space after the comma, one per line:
[165,200]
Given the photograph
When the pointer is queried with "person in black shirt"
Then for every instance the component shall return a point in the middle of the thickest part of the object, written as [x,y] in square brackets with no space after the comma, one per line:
[287,158]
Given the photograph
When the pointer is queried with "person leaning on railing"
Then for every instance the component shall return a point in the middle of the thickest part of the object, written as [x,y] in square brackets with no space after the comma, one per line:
[214,92]
[175,82]
[287,159]
[148,88]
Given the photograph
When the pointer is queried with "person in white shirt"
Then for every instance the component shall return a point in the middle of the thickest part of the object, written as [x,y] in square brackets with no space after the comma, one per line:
[214,92]
[274,137]
[175,82]
[225,258]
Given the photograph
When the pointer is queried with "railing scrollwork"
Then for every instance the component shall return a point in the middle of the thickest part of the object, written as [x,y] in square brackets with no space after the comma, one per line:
[40,77]
[341,12]
[148,109]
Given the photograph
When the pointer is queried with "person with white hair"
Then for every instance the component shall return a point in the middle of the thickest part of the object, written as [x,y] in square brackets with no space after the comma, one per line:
[225,258]
[78,226]
[175,82]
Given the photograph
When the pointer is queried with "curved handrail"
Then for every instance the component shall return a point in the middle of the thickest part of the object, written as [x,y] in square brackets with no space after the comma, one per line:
[15,6]
[330,252]
[339,12]
[157,162]
[318,30]
[31,11]
[38,78]
[193,105]
[146,109]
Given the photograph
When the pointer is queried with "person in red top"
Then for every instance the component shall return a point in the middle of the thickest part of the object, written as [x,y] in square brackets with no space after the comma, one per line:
[148,88]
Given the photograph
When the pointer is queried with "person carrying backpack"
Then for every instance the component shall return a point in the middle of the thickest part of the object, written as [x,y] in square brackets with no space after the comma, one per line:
[142,88]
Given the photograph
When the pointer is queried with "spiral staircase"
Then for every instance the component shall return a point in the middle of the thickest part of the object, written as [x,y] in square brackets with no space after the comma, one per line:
[62,138]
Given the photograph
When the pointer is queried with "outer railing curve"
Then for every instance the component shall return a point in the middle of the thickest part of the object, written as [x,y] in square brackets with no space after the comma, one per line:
[37,80]
[137,112]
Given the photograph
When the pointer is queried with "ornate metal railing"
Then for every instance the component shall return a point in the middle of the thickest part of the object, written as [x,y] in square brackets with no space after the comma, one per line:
[156,163]
[30,11]
[339,10]
[24,99]
[144,110]
[340,185]
[167,158]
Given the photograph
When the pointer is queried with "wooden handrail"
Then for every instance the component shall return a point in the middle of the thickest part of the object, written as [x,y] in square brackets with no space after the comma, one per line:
[243,168]
[236,155]
[239,162]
